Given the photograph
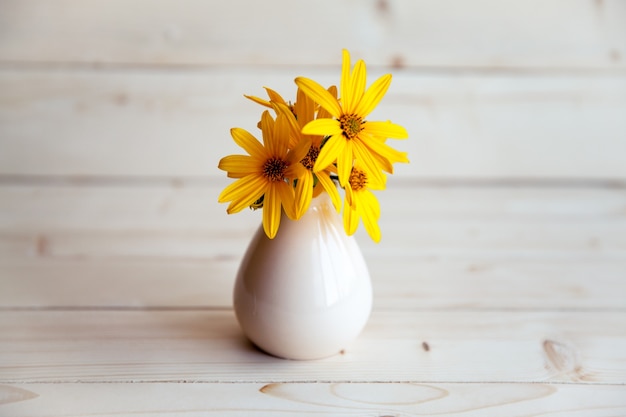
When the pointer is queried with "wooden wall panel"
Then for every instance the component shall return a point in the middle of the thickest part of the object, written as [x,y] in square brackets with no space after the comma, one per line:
[425,33]
[176,123]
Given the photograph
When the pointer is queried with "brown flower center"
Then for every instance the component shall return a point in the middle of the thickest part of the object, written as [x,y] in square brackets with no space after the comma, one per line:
[358,179]
[309,160]
[274,169]
[351,125]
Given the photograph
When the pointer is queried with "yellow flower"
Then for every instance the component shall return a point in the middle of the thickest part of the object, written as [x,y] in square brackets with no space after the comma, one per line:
[265,172]
[361,203]
[351,137]
[302,112]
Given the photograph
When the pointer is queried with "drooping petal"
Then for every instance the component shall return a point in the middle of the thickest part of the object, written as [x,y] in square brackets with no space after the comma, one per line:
[385,154]
[368,163]
[369,211]
[319,95]
[243,164]
[271,211]
[243,192]
[370,202]
[350,219]
[329,185]
[248,142]
[304,193]
[373,95]
[286,194]
[385,130]
[345,161]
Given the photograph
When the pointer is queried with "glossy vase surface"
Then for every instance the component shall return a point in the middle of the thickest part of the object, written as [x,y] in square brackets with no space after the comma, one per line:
[306,294]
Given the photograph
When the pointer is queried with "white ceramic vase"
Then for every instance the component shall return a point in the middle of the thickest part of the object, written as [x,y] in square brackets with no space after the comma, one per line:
[306,294]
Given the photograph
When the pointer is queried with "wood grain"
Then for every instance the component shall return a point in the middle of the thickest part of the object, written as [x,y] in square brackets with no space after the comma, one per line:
[176,123]
[313,399]
[427,33]
[207,346]
[454,247]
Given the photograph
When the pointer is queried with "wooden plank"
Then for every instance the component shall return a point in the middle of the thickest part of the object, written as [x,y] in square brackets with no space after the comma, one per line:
[191,207]
[431,33]
[313,399]
[416,284]
[175,123]
[444,247]
[207,346]
[185,222]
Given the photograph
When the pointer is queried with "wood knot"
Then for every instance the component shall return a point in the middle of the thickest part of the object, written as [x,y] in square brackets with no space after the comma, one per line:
[563,358]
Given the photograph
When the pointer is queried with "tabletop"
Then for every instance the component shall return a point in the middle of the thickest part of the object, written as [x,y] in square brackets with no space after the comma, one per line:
[500,280]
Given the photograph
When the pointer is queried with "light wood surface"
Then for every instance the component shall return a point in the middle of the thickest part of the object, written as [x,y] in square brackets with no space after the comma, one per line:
[500,280]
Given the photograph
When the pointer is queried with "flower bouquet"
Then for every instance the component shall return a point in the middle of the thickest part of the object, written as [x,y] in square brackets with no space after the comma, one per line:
[312,144]
[305,292]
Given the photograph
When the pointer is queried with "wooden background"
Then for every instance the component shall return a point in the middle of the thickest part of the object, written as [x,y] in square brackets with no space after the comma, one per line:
[500,282]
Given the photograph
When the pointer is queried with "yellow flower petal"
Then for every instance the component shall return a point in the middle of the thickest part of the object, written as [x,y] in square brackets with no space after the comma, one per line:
[304,108]
[274,96]
[328,155]
[300,151]
[248,142]
[272,209]
[373,95]
[368,163]
[319,95]
[329,185]
[323,127]
[286,194]
[243,192]
[345,81]
[323,113]
[345,160]
[304,193]
[385,154]
[385,130]
[238,164]
[267,127]
[370,202]
[369,210]
[294,127]
[259,101]
[355,89]
[350,219]
[280,141]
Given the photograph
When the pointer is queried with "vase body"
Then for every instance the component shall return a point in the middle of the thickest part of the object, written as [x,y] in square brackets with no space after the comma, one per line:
[306,294]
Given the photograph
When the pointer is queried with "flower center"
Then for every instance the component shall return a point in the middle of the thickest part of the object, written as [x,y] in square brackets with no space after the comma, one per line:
[309,160]
[358,179]
[274,169]
[351,125]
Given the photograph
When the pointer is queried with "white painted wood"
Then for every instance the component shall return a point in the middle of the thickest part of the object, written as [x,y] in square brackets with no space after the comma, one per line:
[176,123]
[207,346]
[444,247]
[190,207]
[313,399]
[432,33]
[400,284]
[490,300]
